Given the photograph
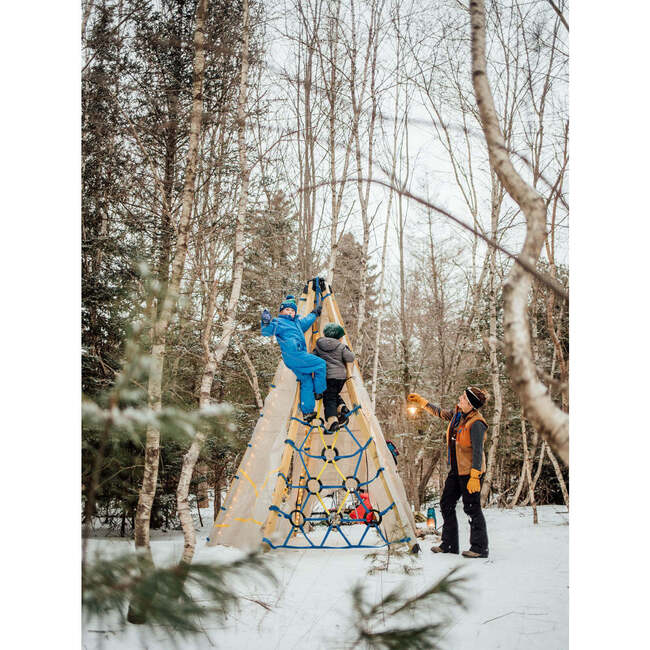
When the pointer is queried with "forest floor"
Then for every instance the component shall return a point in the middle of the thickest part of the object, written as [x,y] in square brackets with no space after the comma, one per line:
[518,598]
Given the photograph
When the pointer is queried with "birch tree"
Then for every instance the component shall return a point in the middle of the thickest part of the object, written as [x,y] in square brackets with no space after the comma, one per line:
[159,335]
[357,92]
[214,358]
[540,409]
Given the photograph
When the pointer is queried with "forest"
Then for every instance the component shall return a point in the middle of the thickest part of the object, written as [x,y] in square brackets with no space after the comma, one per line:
[414,154]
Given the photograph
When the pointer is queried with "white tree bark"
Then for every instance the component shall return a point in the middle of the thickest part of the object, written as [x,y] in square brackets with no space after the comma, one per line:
[214,358]
[522,478]
[531,485]
[332,82]
[544,415]
[375,362]
[152,444]
[492,345]
[370,66]
[538,471]
[560,478]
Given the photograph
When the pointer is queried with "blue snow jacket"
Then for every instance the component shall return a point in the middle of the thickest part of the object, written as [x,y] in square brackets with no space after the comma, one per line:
[290,332]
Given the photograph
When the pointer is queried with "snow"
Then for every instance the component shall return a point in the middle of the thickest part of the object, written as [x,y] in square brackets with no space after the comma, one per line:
[517,598]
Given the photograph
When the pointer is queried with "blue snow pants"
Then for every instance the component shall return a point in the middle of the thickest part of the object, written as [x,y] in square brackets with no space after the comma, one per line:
[311,372]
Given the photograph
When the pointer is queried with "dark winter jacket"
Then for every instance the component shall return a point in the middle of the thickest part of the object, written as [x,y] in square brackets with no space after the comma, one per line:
[466,435]
[336,354]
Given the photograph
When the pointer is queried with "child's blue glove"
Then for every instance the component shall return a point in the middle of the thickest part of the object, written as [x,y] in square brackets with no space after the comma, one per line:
[266,317]
[318,309]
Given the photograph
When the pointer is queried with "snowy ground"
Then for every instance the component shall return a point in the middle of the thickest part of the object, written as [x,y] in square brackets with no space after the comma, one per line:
[518,598]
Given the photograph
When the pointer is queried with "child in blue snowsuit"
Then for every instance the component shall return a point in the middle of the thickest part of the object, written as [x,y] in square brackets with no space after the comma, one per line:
[310,370]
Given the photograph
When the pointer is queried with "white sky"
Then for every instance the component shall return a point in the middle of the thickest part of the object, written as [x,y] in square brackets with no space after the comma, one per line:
[432,170]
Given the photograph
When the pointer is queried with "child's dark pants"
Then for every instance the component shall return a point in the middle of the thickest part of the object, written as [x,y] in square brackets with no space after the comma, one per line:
[331,396]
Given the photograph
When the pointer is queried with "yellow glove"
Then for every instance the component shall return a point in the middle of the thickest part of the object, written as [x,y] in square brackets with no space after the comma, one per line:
[417,399]
[474,484]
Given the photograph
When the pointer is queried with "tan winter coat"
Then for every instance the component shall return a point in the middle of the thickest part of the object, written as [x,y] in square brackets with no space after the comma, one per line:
[464,442]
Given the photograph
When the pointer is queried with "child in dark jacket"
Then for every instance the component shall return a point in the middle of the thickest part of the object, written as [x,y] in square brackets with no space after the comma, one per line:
[336,355]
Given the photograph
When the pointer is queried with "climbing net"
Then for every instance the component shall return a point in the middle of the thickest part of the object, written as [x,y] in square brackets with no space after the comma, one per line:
[311,488]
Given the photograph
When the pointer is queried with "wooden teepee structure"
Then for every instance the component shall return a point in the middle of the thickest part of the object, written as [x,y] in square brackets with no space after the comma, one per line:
[290,469]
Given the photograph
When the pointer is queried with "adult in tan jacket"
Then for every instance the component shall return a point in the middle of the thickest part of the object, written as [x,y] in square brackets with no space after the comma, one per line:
[466,435]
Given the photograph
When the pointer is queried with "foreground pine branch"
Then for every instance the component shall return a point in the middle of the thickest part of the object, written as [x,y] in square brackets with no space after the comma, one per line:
[378,625]
[178,598]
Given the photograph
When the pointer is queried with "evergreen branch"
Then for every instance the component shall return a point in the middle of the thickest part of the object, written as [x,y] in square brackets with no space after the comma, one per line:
[172,597]
[171,420]
[369,617]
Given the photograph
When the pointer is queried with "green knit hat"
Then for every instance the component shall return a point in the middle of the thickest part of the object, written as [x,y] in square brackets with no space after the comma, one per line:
[333,331]
[289,301]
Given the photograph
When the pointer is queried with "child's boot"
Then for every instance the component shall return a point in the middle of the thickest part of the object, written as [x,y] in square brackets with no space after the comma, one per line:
[332,424]
[312,419]
[343,414]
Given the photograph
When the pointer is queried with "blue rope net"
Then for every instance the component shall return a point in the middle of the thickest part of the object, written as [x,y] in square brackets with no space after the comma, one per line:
[335,519]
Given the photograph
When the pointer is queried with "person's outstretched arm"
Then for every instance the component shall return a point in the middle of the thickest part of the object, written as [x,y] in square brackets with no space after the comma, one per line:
[444,414]
[306,322]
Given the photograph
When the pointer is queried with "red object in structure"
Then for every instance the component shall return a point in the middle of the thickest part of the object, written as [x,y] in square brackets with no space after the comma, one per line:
[360,512]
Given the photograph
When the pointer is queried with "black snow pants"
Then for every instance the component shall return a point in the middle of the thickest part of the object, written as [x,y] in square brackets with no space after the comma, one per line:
[455,488]
[331,396]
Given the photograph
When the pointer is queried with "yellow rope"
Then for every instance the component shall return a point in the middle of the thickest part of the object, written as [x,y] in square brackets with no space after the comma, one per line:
[259,523]
[250,519]
[336,467]
[248,478]
[321,502]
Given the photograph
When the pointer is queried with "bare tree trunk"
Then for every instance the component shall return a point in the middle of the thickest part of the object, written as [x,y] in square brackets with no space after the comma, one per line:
[426,474]
[308,188]
[161,323]
[84,18]
[494,362]
[332,91]
[544,415]
[220,468]
[538,471]
[152,445]
[560,478]
[404,338]
[522,478]
[364,194]
[215,358]
[253,379]
[531,487]
[375,363]
[202,500]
